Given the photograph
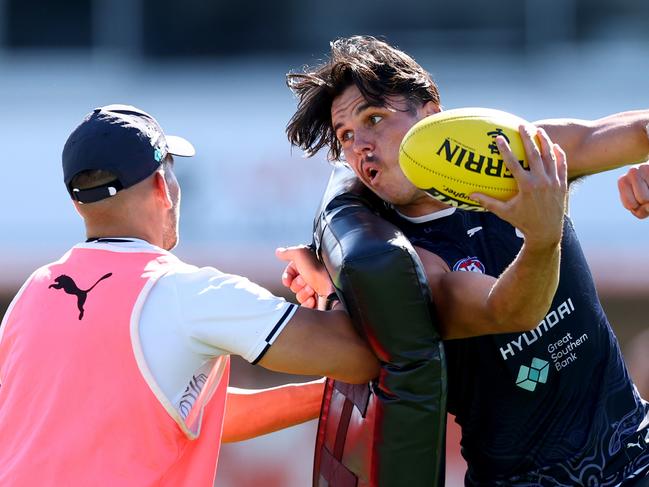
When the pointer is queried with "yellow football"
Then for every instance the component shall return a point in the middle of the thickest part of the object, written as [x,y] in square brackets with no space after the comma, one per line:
[453,153]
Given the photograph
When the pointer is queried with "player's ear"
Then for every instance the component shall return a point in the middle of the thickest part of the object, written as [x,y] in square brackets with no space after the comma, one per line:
[161,189]
[430,107]
[76,207]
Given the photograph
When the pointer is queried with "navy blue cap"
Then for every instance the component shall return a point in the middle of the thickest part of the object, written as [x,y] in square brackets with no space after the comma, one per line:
[121,139]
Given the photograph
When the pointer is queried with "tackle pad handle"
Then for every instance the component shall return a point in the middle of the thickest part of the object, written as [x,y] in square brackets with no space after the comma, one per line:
[381,281]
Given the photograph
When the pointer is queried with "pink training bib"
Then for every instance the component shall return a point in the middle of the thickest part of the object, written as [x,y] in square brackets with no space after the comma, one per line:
[78,404]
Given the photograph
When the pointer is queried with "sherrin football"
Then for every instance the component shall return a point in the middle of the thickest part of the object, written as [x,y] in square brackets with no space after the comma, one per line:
[453,153]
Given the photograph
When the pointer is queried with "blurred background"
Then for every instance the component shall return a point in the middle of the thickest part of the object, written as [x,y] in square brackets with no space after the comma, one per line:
[213,71]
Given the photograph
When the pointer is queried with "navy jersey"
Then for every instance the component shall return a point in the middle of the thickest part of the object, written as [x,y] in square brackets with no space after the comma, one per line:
[552,406]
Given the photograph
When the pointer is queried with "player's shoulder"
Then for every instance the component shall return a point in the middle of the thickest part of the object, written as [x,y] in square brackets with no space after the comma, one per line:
[190,282]
[183,275]
[44,272]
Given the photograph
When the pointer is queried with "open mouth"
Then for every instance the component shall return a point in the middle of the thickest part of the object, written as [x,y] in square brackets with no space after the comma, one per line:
[370,170]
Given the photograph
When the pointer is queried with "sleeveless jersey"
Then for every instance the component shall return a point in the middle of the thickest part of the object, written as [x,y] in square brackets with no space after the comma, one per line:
[552,406]
[78,404]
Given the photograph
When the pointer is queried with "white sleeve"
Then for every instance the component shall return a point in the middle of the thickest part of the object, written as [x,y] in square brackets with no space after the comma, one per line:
[224,313]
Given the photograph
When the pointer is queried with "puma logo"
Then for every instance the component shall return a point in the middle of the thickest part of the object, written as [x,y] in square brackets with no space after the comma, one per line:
[70,287]
[629,445]
[639,443]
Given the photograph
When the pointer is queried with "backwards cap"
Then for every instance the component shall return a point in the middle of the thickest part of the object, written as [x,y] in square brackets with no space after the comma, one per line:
[121,139]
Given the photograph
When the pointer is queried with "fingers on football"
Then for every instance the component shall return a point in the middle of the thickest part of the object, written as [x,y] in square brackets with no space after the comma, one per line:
[511,161]
[488,203]
[547,153]
[561,165]
[531,150]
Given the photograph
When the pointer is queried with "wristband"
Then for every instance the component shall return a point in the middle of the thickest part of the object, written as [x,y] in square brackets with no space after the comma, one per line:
[328,302]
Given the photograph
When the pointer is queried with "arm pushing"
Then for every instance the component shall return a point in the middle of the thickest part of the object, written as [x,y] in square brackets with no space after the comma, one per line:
[252,413]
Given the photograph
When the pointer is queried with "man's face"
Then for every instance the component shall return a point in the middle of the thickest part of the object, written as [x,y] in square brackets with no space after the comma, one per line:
[370,136]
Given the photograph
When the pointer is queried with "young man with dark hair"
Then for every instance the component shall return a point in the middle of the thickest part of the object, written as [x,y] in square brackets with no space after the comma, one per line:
[114,360]
[536,378]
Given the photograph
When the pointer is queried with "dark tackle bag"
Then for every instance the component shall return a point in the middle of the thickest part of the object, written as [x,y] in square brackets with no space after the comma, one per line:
[390,433]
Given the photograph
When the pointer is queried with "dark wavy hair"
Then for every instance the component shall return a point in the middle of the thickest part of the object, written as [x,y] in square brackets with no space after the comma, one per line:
[377,69]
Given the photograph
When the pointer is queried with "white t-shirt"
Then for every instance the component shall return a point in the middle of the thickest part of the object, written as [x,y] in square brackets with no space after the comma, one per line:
[194,315]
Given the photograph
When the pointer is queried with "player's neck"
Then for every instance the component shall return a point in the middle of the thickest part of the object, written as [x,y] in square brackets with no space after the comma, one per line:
[423,206]
[123,229]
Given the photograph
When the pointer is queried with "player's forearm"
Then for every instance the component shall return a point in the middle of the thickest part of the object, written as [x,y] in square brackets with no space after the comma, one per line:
[356,365]
[252,413]
[522,295]
[599,145]
[322,343]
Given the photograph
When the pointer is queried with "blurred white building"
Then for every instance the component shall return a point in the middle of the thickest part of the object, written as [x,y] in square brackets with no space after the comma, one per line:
[246,191]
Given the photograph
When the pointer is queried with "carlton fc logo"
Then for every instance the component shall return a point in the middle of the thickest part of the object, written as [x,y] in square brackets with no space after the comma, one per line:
[469,264]
[493,134]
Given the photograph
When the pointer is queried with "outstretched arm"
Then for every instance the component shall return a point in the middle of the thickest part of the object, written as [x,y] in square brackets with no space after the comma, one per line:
[251,413]
[593,146]
[322,343]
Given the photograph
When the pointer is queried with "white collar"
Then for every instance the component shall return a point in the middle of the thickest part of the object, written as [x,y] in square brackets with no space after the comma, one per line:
[430,216]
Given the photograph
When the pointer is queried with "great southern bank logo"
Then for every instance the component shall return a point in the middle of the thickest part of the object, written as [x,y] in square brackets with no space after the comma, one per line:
[536,373]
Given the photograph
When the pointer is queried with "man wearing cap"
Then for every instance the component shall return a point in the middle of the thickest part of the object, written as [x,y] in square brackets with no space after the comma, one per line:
[114,360]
